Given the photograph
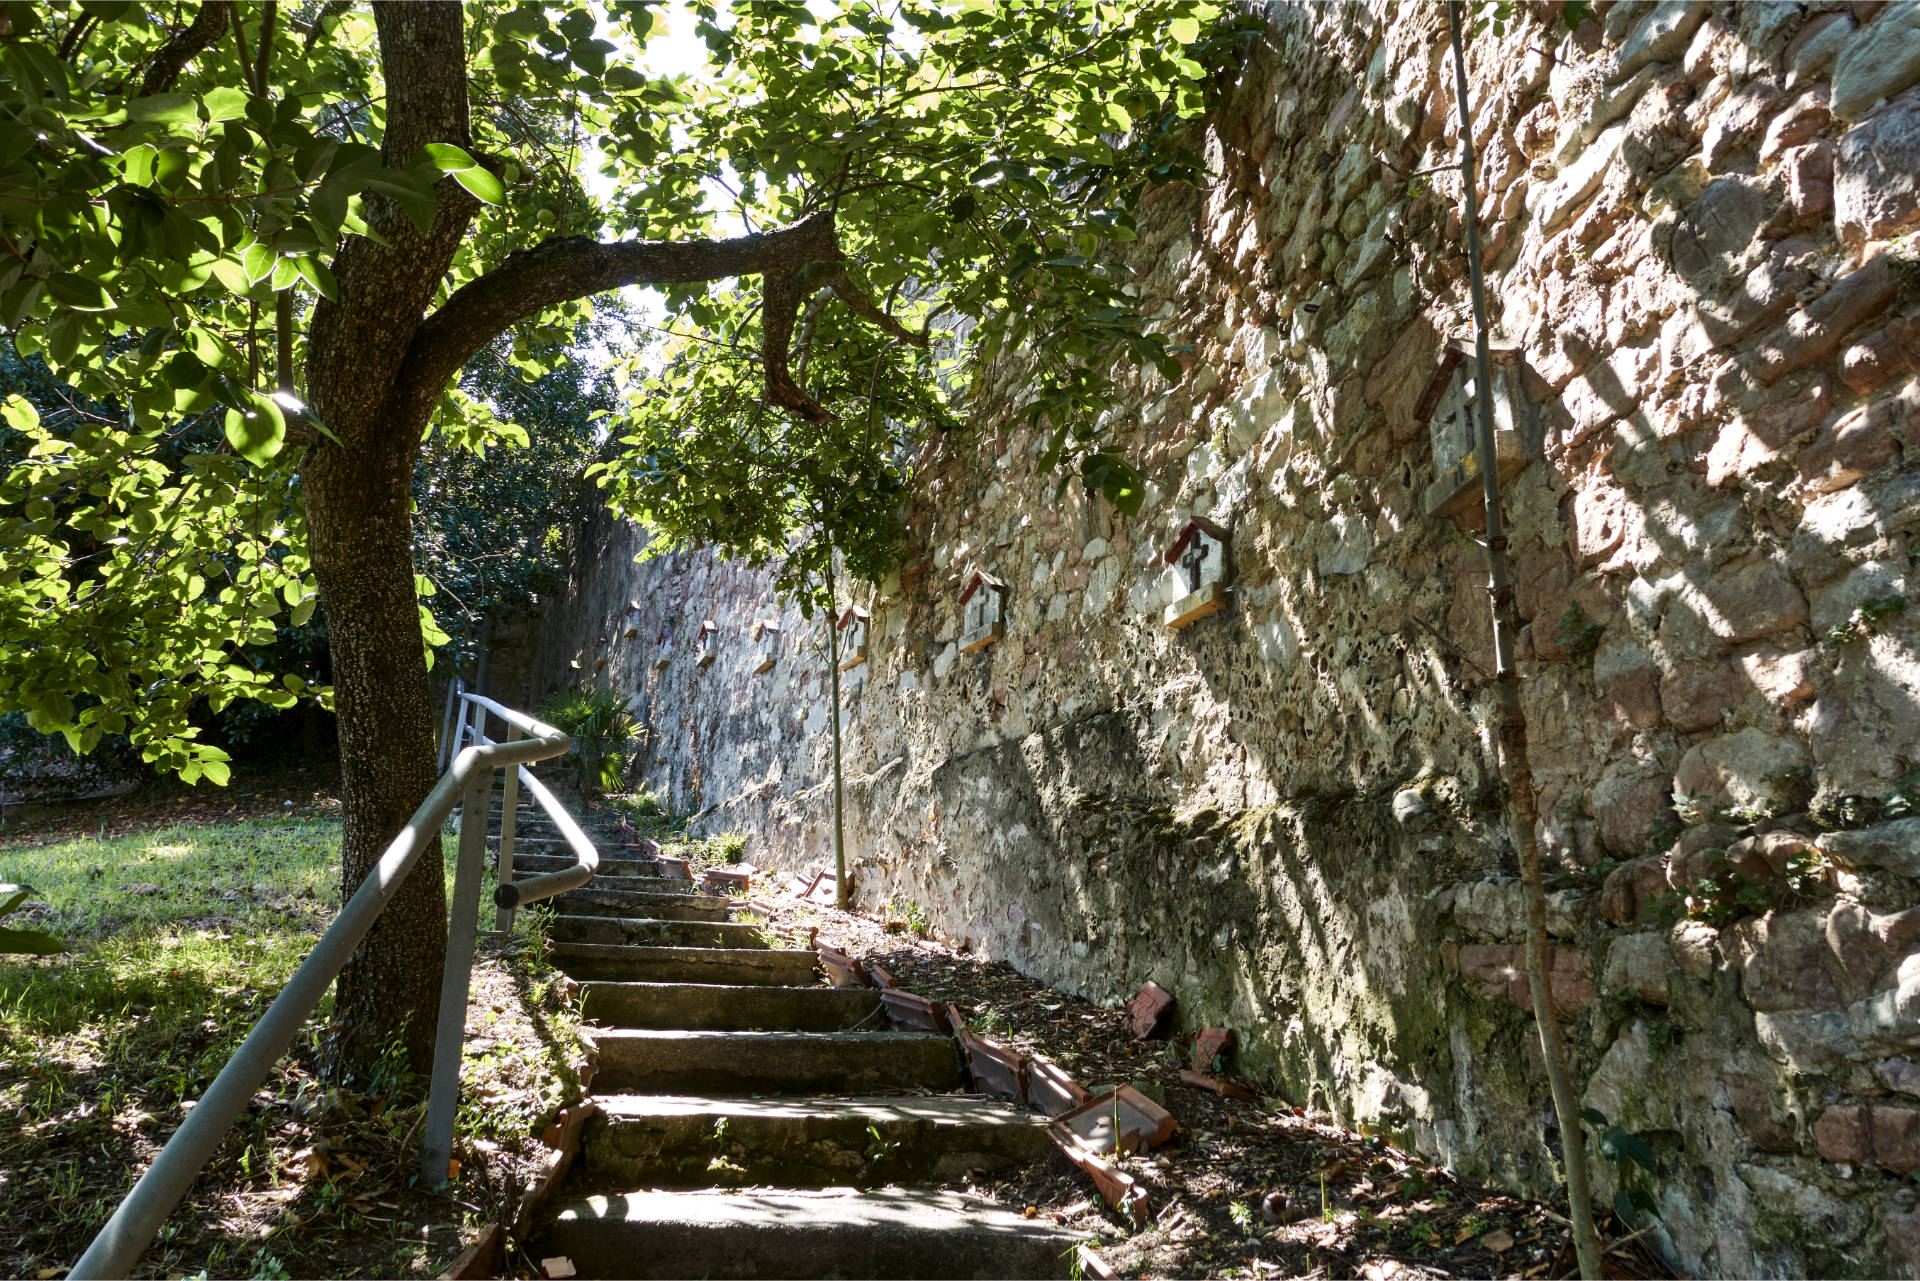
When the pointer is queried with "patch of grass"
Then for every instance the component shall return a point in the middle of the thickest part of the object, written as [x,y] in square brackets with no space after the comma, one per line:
[182,935]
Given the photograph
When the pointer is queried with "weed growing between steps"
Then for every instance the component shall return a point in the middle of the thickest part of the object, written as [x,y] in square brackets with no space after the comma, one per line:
[182,933]
[1247,1188]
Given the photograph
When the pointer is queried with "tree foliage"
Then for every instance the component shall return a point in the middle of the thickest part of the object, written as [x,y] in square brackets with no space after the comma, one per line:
[180,183]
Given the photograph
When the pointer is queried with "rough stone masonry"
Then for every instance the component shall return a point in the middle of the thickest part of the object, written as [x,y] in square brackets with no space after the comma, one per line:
[1700,228]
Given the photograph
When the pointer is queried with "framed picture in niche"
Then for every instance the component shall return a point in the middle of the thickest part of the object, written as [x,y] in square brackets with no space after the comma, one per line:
[709,644]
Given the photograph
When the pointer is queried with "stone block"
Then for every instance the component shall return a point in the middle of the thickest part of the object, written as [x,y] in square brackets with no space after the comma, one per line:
[1629,888]
[1718,227]
[1807,1041]
[1627,684]
[1877,358]
[1742,770]
[1570,189]
[1784,674]
[1853,445]
[1890,847]
[1870,1134]
[1695,948]
[1815,332]
[1784,962]
[1880,60]
[1798,123]
[1638,967]
[1808,192]
[1736,122]
[1661,36]
[1750,603]
[1631,809]
[1876,173]
[1498,971]
[1810,53]
[1698,696]
[1752,1102]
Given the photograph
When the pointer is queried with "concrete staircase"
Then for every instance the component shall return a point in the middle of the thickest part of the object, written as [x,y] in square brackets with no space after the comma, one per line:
[753,1123]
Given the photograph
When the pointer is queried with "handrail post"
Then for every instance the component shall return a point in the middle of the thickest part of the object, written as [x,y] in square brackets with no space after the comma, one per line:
[449,1040]
[454,690]
[503,867]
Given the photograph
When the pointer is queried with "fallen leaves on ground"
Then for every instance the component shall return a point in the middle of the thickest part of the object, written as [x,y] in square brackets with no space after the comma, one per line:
[1248,1187]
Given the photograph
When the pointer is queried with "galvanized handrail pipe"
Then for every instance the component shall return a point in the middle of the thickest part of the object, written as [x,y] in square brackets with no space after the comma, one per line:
[443,1095]
[126,1235]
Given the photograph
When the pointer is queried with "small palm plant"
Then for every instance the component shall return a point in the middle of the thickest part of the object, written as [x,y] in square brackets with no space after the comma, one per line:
[603,731]
[23,942]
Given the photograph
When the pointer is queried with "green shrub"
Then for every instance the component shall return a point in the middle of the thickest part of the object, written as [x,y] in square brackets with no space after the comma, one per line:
[603,732]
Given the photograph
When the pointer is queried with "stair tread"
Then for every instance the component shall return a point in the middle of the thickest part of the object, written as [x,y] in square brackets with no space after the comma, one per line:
[942,1109]
[807,1233]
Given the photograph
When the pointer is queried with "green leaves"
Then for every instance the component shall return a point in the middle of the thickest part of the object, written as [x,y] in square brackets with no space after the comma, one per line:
[14,942]
[466,171]
[256,429]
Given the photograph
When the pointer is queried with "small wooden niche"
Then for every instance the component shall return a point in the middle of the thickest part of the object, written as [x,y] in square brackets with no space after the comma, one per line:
[1203,574]
[856,626]
[1448,405]
[766,645]
[983,612]
[709,644]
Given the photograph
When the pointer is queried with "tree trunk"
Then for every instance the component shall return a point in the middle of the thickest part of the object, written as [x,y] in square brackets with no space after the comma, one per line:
[362,543]
[358,496]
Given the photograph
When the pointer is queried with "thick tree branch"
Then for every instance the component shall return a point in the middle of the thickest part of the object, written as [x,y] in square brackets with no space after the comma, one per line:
[558,271]
[209,23]
[835,275]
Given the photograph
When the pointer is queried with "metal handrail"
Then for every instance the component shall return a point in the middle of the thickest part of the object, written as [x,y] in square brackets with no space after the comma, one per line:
[468,781]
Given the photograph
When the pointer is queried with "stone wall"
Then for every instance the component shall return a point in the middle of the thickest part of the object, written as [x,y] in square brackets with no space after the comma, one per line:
[1288,813]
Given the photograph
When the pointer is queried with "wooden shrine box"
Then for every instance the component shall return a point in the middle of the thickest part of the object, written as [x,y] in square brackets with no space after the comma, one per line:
[983,612]
[766,645]
[633,620]
[1448,406]
[1199,561]
[663,650]
[855,626]
[709,643]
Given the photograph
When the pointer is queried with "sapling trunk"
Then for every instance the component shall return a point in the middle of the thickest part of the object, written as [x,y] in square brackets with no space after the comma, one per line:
[1513,721]
[833,677]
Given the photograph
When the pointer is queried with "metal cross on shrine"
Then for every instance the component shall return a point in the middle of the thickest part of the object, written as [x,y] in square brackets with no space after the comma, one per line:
[1194,560]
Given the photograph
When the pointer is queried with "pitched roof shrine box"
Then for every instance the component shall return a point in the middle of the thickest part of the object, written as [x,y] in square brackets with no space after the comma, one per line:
[766,645]
[854,626]
[1448,406]
[663,650]
[1199,562]
[709,643]
[632,628]
[983,612]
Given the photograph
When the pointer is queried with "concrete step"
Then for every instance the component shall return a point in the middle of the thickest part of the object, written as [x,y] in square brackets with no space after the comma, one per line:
[656,933]
[712,1007]
[591,900]
[526,865]
[764,967]
[832,1233]
[661,1061]
[683,1141]
[646,884]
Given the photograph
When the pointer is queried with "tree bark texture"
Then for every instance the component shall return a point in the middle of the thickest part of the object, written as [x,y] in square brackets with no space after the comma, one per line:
[377,364]
[361,535]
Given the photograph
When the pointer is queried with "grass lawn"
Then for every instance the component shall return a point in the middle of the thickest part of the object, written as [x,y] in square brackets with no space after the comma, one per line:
[181,933]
